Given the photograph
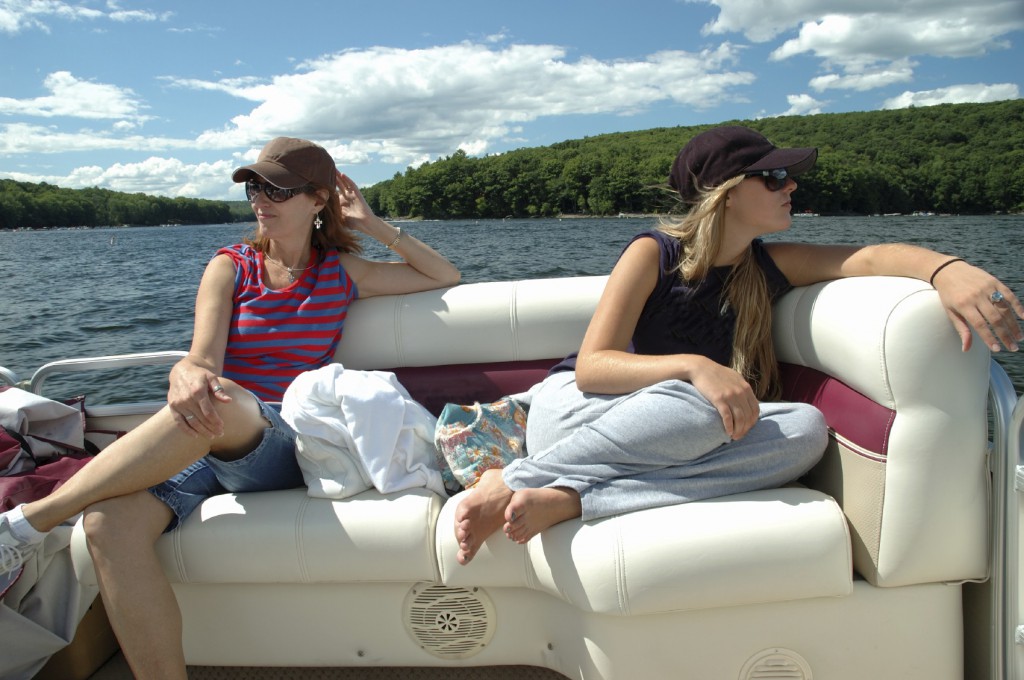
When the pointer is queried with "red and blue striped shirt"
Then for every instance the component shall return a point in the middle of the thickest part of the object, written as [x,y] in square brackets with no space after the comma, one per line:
[277,334]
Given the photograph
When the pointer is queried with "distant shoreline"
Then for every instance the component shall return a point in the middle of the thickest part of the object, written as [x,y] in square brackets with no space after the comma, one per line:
[572,216]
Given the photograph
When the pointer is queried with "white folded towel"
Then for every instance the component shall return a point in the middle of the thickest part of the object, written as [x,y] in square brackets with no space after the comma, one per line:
[359,429]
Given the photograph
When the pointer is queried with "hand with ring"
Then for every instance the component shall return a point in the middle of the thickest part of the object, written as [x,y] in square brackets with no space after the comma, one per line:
[193,395]
[980,305]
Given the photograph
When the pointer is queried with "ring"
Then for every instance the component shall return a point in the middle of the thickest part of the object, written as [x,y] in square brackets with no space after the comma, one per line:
[218,388]
[190,416]
[996,297]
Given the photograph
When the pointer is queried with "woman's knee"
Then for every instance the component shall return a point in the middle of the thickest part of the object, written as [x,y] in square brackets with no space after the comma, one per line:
[244,423]
[813,426]
[132,520]
[808,432]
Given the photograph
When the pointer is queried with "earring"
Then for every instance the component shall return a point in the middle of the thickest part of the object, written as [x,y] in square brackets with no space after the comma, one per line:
[318,223]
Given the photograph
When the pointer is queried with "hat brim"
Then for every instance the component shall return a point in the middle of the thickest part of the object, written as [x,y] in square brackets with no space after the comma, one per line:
[795,161]
[275,173]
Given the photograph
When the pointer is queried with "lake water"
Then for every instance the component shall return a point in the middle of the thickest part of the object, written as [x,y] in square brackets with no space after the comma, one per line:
[92,292]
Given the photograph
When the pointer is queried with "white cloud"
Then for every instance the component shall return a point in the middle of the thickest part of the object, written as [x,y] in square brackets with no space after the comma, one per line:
[802,105]
[955,94]
[163,176]
[396,106]
[22,138]
[76,98]
[418,104]
[864,44]
[125,16]
[869,78]
[21,15]
[944,23]
[880,36]
[154,175]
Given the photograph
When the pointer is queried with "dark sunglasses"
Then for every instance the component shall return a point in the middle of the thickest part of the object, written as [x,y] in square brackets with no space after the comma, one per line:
[275,194]
[774,180]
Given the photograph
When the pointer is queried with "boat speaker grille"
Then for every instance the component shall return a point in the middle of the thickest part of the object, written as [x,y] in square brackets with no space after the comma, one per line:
[776,664]
[450,623]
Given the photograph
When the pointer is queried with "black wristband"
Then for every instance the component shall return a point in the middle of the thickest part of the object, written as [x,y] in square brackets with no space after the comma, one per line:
[942,266]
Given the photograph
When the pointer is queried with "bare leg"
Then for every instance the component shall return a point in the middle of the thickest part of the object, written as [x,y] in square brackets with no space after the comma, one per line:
[142,608]
[148,455]
[531,511]
[480,513]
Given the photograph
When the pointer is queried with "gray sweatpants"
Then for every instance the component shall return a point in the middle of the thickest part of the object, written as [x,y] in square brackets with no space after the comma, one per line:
[662,445]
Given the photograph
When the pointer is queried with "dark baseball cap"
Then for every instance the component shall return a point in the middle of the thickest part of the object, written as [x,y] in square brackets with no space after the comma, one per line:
[291,163]
[721,153]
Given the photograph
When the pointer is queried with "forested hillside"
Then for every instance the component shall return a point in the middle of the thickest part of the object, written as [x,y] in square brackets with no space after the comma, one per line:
[957,158]
[24,205]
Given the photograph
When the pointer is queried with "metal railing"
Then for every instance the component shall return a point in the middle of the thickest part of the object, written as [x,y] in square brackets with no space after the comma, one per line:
[35,384]
[1007,632]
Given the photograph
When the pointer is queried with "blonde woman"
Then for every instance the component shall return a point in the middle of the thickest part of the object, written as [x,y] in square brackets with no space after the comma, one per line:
[672,396]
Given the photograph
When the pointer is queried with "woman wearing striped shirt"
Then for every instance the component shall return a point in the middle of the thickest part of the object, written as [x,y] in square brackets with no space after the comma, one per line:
[267,310]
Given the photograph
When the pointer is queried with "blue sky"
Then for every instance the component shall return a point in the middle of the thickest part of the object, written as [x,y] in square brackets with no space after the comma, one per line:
[169,97]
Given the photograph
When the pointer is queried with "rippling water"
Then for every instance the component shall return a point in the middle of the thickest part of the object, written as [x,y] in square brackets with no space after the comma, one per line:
[92,292]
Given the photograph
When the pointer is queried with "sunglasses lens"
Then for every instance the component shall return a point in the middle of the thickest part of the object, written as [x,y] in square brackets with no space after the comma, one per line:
[275,194]
[776,180]
[252,190]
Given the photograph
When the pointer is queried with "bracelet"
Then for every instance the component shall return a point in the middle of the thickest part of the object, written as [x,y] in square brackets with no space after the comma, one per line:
[398,238]
[942,266]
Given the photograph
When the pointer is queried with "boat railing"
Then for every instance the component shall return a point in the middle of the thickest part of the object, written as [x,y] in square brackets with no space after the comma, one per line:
[8,377]
[35,384]
[1007,467]
[118,361]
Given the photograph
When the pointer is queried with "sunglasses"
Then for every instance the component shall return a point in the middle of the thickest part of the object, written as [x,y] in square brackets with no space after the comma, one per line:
[774,180]
[275,194]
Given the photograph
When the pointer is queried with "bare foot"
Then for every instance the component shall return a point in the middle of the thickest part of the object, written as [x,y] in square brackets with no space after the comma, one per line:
[480,514]
[531,511]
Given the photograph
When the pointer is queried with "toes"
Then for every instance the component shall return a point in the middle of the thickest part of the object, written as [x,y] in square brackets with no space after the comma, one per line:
[465,554]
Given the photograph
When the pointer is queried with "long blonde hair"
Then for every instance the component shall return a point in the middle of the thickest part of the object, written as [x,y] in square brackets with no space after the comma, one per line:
[701,232]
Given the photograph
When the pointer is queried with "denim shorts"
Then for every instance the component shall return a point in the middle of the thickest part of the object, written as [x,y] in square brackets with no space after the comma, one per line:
[271,465]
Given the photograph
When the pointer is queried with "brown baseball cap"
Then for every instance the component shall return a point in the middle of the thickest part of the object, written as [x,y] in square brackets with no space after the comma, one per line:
[721,153]
[291,163]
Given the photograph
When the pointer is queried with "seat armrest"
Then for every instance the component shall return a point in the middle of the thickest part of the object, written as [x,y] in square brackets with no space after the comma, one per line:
[914,483]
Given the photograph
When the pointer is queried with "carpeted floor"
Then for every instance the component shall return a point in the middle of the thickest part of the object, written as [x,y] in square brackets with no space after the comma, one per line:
[117,669]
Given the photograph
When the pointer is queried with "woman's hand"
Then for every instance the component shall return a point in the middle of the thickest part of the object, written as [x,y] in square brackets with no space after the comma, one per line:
[190,398]
[354,207]
[729,393]
[966,292]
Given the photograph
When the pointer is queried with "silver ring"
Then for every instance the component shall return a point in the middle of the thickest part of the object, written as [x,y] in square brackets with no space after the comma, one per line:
[218,388]
[996,297]
[190,416]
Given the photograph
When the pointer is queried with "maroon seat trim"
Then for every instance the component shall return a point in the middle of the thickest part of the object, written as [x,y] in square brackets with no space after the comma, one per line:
[849,413]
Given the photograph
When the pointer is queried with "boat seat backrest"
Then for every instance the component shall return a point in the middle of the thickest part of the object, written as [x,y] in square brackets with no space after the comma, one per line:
[876,354]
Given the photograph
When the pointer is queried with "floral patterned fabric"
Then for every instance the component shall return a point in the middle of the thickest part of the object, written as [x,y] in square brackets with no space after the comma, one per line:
[473,439]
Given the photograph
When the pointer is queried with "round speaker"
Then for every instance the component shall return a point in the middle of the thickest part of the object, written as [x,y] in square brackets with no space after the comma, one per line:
[777,664]
[450,623]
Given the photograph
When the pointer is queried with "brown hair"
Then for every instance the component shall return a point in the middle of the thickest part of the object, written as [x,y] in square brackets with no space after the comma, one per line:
[334,234]
[700,232]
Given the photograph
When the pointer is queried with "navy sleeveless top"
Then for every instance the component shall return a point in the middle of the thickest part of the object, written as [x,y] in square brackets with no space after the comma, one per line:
[682,317]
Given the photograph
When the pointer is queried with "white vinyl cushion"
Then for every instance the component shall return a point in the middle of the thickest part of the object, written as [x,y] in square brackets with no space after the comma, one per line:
[762,546]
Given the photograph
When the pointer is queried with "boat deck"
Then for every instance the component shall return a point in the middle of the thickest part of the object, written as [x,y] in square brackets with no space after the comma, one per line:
[117,669]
